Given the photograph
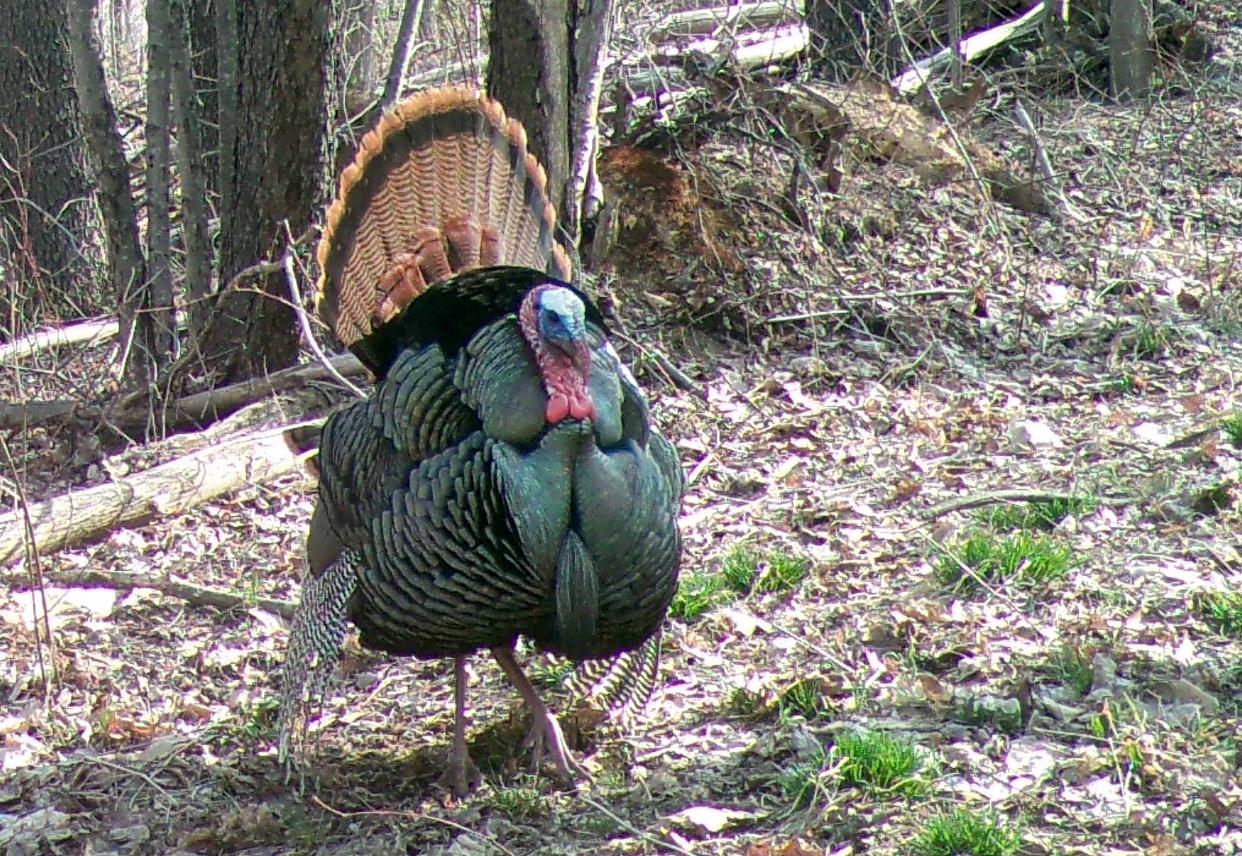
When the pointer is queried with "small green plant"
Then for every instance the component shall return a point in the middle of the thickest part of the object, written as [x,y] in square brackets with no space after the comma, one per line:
[260,718]
[551,674]
[696,594]
[521,801]
[1150,340]
[879,763]
[1232,426]
[1030,516]
[966,833]
[746,704]
[1020,558]
[803,698]
[1072,667]
[801,782]
[1223,609]
[740,567]
[783,572]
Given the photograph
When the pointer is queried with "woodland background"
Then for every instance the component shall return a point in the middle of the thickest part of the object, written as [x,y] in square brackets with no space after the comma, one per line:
[950,351]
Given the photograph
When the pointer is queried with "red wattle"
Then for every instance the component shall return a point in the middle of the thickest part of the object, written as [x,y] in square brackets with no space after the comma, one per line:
[558,408]
[582,408]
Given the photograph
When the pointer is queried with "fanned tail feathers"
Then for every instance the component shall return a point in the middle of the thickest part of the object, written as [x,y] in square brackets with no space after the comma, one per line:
[442,184]
[315,639]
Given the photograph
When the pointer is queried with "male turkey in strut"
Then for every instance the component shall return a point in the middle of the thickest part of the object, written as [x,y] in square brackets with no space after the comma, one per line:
[503,478]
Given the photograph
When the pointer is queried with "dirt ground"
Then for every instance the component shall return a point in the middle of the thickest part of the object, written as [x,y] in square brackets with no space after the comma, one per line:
[855,362]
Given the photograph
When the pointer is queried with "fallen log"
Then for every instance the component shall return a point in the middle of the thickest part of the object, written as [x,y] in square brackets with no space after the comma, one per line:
[195,595]
[696,22]
[201,408]
[56,337]
[172,488]
[915,77]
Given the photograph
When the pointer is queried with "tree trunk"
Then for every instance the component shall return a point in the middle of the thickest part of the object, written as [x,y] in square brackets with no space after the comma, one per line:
[590,31]
[156,330]
[126,263]
[204,55]
[852,36]
[411,20]
[1129,48]
[46,213]
[274,164]
[528,71]
[361,47]
[226,103]
[191,169]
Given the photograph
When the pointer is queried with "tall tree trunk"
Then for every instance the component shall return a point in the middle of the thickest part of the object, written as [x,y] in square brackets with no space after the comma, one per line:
[126,263]
[226,101]
[46,215]
[274,162]
[853,36]
[528,71]
[191,170]
[544,66]
[411,19]
[1129,48]
[204,56]
[156,329]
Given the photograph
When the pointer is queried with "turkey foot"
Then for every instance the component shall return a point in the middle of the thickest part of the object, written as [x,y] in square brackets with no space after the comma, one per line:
[545,732]
[460,775]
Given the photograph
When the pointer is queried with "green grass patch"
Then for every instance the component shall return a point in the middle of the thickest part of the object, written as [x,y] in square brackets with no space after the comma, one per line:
[698,593]
[742,570]
[1035,516]
[520,801]
[803,698]
[966,833]
[1232,426]
[1071,666]
[1150,341]
[1222,609]
[740,567]
[550,674]
[1021,558]
[783,572]
[878,763]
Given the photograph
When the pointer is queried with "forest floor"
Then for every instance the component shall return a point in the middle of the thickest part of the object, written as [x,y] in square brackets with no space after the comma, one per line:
[896,348]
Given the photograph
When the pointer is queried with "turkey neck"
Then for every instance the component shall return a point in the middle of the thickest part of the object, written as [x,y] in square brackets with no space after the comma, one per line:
[564,364]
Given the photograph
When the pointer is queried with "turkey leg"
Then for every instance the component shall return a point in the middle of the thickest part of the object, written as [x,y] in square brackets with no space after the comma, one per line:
[460,775]
[544,729]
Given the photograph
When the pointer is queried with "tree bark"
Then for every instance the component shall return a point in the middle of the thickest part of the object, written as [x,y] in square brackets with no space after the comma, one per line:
[528,71]
[191,169]
[226,104]
[45,206]
[275,157]
[590,32]
[204,63]
[156,330]
[126,263]
[852,36]
[1129,48]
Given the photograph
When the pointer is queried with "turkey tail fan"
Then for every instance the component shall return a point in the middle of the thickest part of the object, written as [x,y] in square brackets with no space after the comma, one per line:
[443,183]
[622,684]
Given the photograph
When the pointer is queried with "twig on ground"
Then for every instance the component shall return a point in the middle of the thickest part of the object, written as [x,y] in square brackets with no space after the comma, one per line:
[634,830]
[964,503]
[413,815]
[675,375]
[194,595]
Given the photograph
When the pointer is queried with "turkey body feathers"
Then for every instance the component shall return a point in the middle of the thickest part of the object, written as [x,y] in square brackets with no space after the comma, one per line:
[503,479]
[476,522]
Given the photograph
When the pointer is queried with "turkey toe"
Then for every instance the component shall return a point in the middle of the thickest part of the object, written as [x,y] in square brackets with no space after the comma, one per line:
[460,776]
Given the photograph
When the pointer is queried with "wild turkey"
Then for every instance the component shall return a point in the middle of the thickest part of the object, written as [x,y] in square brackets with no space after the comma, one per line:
[503,478]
